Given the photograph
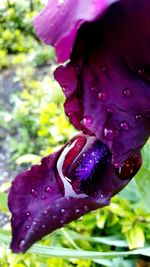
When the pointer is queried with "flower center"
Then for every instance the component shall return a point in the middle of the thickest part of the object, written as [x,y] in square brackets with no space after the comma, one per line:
[81,165]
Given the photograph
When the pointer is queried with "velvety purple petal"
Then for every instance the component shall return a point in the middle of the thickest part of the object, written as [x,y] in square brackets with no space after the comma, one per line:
[69,183]
[108,91]
[58,23]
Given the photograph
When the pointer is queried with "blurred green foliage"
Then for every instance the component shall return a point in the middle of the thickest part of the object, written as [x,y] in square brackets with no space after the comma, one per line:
[38,121]
[18,36]
[37,126]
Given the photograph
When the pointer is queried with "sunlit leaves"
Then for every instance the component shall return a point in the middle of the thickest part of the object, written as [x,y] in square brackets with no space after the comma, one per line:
[143,177]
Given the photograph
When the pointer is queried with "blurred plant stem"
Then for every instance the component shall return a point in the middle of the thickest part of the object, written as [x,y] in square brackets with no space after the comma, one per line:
[31,5]
[8,3]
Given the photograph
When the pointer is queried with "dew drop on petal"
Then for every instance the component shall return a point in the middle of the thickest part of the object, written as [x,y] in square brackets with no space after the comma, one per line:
[65,89]
[102,96]
[33,192]
[87,121]
[28,214]
[138,117]
[110,109]
[45,212]
[77,211]
[108,133]
[63,211]
[124,125]
[48,190]
[43,197]
[130,167]
[94,88]
[127,92]
[22,243]
[27,227]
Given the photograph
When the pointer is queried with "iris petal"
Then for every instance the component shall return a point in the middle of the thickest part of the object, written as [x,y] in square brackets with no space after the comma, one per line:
[58,23]
[110,95]
[58,191]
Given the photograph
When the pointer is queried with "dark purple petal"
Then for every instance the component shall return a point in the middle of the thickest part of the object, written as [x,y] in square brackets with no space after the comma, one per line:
[107,81]
[69,183]
[58,23]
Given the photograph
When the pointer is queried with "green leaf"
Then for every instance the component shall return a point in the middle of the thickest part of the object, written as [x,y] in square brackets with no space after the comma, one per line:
[28,158]
[146,155]
[107,263]
[143,177]
[59,252]
[143,183]
[130,192]
[135,237]
[109,240]
[3,201]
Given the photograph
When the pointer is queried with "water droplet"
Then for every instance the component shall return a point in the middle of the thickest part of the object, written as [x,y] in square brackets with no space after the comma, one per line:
[22,243]
[63,211]
[110,109]
[127,92]
[57,205]
[48,190]
[69,114]
[62,222]
[43,226]
[54,217]
[138,117]
[124,125]
[43,197]
[116,165]
[27,227]
[35,223]
[28,214]
[94,88]
[102,96]
[65,89]
[77,211]
[129,168]
[141,71]
[87,121]
[108,133]
[45,212]
[33,192]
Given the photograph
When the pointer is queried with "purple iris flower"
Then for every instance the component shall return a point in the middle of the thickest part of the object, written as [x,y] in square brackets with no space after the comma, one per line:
[106,84]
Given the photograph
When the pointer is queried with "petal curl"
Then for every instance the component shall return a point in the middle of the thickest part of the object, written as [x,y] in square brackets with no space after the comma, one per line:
[58,23]
[109,94]
[39,202]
